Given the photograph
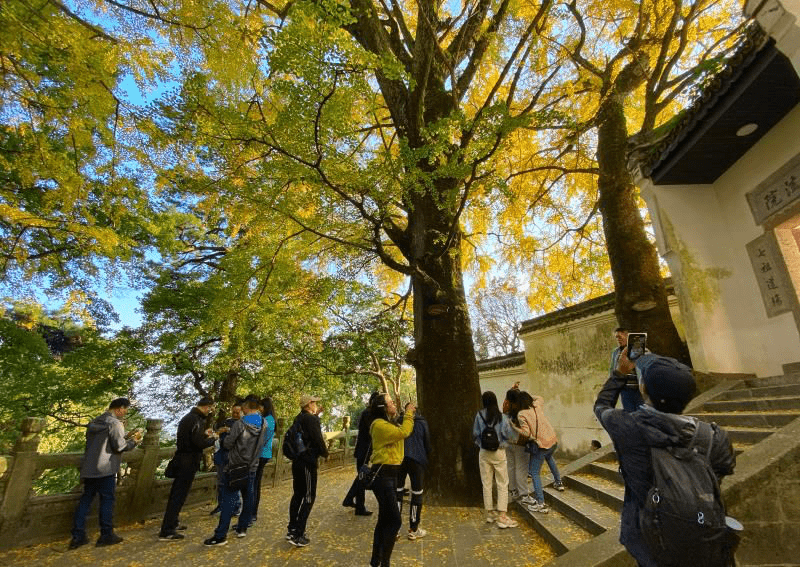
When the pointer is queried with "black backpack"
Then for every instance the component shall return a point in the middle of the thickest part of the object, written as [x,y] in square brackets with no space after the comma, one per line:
[293,445]
[683,518]
[489,439]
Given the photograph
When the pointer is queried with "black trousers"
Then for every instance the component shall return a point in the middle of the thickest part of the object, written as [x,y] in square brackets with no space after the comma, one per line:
[304,485]
[356,494]
[257,486]
[177,497]
[416,472]
[389,520]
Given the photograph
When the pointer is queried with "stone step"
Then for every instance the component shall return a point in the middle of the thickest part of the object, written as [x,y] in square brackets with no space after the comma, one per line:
[780,380]
[785,390]
[585,511]
[753,404]
[607,470]
[745,436]
[559,531]
[774,419]
[607,492]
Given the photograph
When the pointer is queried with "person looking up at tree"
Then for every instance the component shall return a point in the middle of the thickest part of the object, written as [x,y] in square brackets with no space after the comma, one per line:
[387,456]
[491,431]
[304,470]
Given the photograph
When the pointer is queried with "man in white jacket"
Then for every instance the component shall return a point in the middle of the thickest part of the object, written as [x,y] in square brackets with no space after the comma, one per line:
[105,443]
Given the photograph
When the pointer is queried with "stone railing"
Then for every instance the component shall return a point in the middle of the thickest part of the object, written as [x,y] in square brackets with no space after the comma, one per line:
[27,518]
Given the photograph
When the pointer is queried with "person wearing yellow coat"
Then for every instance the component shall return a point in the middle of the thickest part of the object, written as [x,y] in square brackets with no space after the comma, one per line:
[387,455]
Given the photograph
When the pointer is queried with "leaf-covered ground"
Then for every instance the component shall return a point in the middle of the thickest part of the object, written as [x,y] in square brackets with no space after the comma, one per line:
[457,537]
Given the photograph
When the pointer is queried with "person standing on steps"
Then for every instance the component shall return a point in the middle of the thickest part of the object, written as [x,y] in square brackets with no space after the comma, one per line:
[105,443]
[491,431]
[516,456]
[387,456]
[221,455]
[192,439]
[356,496]
[417,447]
[542,443]
[630,396]
[304,470]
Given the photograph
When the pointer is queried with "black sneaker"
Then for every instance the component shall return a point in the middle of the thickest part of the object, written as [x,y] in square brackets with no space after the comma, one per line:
[241,533]
[105,540]
[300,541]
[182,528]
[212,541]
[363,512]
[171,537]
[76,543]
[289,536]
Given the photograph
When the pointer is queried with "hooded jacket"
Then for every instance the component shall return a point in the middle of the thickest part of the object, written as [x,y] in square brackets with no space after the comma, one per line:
[245,440]
[105,443]
[633,434]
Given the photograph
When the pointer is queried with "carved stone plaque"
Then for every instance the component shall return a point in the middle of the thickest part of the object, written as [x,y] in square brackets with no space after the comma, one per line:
[778,191]
[767,261]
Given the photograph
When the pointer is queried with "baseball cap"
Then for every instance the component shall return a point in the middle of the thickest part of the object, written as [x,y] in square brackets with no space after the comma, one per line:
[305,400]
[670,384]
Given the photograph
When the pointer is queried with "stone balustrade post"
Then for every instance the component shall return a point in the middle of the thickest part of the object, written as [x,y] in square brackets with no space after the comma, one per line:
[20,478]
[277,452]
[346,447]
[142,490]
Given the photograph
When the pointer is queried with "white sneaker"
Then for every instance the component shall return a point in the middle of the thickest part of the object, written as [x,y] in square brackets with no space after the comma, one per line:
[417,534]
[542,508]
[490,516]
[506,522]
[528,500]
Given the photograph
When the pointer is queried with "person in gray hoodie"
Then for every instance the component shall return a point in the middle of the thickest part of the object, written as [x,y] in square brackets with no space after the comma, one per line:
[244,443]
[105,443]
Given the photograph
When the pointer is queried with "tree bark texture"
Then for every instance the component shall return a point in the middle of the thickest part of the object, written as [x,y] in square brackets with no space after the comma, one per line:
[641,297]
[448,387]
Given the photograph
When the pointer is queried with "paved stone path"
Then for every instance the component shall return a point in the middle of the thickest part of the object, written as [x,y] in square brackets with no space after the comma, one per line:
[457,537]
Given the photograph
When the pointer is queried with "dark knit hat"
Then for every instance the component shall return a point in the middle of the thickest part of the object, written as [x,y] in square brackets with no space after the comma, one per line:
[669,383]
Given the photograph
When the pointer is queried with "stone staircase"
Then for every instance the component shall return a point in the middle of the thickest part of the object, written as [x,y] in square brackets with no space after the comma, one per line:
[583,523]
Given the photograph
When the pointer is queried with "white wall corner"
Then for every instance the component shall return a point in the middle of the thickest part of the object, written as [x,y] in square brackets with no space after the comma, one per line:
[781,20]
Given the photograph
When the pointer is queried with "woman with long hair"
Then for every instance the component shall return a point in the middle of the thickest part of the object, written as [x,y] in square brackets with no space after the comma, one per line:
[492,461]
[516,456]
[268,413]
[543,443]
[387,456]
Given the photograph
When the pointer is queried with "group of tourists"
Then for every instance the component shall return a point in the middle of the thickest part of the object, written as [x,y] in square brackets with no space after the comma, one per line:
[514,443]
[651,439]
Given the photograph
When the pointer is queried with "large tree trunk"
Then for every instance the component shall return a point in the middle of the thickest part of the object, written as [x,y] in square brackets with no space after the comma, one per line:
[444,357]
[641,302]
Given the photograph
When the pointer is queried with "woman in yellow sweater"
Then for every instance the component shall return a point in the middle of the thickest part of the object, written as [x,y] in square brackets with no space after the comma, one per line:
[387,455]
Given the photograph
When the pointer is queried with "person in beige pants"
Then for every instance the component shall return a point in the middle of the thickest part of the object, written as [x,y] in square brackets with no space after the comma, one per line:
[492,461]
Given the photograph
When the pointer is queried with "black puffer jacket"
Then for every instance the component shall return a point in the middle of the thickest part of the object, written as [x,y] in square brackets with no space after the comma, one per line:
[633,434]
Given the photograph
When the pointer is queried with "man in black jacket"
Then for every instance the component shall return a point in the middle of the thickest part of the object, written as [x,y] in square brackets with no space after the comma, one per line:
[667,386]
[356,495]
[304,471]
[193,439]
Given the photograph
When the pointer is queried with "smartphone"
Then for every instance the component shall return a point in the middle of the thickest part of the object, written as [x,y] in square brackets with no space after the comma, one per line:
[637,343]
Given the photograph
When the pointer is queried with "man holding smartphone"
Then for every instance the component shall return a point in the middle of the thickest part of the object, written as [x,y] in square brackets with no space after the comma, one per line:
[630,395]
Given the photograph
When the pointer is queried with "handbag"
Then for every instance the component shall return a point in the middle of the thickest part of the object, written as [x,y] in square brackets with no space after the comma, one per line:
[366,476]
[172,468]
[239,475]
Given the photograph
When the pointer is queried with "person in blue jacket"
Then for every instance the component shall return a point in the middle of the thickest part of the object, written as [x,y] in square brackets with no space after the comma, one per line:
[268,413]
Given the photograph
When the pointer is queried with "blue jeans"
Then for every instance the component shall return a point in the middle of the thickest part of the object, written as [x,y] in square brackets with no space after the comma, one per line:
[104,486]
[538,457]
[230,501]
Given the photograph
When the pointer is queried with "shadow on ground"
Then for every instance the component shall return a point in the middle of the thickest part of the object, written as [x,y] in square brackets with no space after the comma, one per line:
[457,537]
